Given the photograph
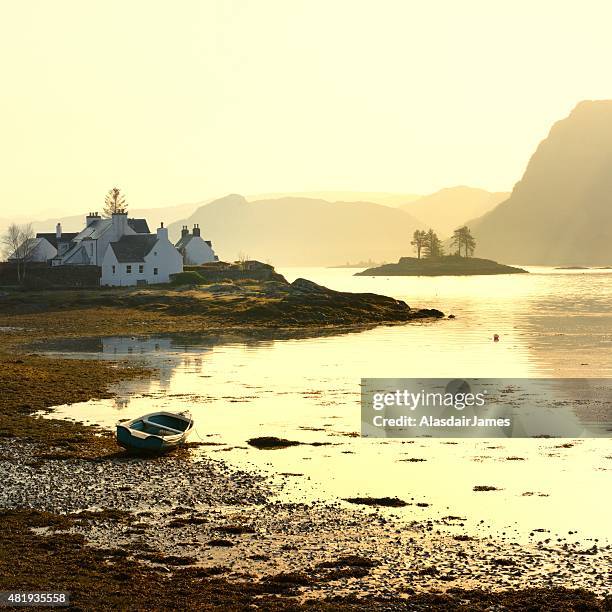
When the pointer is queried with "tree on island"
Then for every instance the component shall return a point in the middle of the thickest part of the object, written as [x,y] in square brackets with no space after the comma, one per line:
[114,202]
[19,243]
[462,238]
[433,245]
[418,241]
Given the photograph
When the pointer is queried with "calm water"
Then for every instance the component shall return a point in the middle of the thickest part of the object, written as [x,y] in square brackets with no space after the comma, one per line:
[551,324]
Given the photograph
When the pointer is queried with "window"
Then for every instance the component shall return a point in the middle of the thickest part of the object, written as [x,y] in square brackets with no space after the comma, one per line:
[128,269]
[140,269]
[155,271]
[113,269]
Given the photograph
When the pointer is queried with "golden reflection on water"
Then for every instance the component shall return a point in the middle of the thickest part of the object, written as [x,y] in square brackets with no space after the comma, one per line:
[551,324]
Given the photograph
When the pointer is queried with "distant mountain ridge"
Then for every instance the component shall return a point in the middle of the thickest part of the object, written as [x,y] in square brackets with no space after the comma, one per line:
[303,231]
[75,223]
[560,212]
[377,197]
[450,208]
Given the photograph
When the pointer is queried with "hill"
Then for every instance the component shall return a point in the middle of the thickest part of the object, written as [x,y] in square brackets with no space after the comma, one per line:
[378,197]
[303,231]
[560,212]
[450,208]
[75,223]
[451,265]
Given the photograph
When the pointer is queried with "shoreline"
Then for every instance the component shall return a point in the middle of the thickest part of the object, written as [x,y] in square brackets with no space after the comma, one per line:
[225,542]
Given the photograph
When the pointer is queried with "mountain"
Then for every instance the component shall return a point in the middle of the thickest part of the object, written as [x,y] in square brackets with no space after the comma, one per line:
[378,197]
[560,212]
[302,231]
[75,223]
[450,208]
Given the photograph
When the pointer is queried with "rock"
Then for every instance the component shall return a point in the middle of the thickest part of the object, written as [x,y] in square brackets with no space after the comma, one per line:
[429,312]
[220,542]
[271,442]
[389,502]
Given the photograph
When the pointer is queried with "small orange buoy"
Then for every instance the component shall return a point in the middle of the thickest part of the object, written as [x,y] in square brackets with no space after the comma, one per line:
[495,337]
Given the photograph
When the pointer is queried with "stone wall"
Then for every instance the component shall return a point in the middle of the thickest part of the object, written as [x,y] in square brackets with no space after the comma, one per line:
[44,276]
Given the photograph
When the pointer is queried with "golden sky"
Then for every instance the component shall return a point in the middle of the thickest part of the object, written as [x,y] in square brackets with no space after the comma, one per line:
[177,101]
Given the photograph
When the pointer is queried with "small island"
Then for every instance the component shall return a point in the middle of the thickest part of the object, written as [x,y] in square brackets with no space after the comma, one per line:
[449,265]
[436,263]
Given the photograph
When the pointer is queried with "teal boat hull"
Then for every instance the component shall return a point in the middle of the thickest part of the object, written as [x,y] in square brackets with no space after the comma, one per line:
[155,432]
[130,442]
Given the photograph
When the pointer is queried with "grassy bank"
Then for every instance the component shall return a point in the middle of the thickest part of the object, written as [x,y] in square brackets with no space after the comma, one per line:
[31,383]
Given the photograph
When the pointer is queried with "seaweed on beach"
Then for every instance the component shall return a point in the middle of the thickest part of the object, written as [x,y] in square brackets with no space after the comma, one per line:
[388,502]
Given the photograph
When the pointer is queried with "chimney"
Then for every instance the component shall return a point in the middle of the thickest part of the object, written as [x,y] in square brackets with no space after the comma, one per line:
[120,224]
[91,217]
[162,232]
[196,229]
[58,231]
[184,231]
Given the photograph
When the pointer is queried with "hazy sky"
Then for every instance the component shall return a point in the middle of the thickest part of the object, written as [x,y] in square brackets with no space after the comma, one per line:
[177,101]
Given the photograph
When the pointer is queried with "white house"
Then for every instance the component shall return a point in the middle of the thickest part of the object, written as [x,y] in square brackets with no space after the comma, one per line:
[194,249]
[140,259]
[124,249]
[44,246]
[89,246]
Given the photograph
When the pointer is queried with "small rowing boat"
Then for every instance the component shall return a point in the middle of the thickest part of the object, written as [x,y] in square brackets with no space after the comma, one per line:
[155,432]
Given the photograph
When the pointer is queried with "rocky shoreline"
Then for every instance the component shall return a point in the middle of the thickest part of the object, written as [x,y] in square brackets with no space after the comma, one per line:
[218,536]
[187,531]
[241,303]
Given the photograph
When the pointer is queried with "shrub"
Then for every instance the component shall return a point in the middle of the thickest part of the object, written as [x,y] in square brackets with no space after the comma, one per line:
[189,277]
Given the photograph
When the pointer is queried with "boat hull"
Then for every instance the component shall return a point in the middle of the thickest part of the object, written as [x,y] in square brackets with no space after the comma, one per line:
[155,432]
[129,442]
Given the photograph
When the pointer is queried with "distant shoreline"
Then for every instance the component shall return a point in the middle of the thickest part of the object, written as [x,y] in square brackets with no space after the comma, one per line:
[362,264]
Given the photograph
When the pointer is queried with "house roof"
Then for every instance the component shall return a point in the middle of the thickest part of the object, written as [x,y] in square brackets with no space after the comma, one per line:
[75,255]
[140,226]
[95,229]
[98,227]
[51,238]
[184,241]
[133,248]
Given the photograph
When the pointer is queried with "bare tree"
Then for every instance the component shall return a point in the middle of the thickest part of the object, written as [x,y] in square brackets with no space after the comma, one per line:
[19,242]
[114,202]
[242,259]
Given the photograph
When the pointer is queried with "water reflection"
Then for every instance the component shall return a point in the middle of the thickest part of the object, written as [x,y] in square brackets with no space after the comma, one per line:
[306,388]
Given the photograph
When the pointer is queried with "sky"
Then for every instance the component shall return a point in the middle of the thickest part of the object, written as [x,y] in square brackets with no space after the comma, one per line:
[178,101]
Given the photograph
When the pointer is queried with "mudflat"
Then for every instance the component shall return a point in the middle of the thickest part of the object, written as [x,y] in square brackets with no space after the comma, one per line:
[109,529]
